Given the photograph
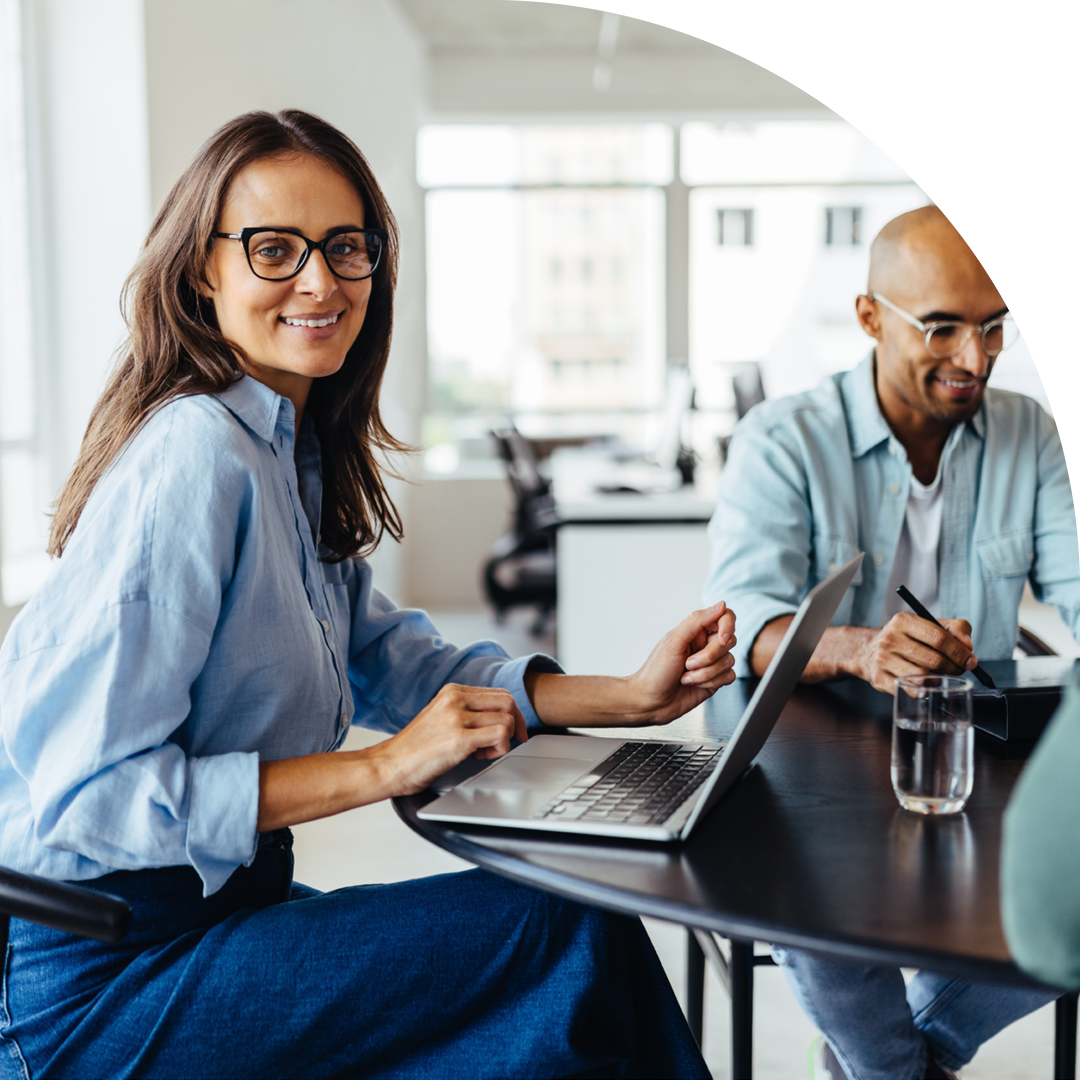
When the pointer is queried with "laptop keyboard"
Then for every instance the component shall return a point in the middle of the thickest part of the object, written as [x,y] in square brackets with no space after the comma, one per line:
[642,783]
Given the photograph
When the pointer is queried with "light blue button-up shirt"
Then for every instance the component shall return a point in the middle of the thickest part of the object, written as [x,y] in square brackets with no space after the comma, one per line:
[815,478]
[190,630]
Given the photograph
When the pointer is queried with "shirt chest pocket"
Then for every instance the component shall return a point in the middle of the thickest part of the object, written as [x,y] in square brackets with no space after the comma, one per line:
[1006,561]
[336,591]
[1008,555]
[830,554]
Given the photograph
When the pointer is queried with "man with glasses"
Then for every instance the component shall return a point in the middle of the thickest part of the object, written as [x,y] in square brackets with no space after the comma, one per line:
[956,491]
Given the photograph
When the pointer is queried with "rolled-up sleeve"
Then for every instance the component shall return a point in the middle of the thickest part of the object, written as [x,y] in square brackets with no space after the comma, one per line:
[760,535]
[398,662]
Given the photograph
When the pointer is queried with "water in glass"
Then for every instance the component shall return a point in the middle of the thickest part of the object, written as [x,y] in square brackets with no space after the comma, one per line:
[933,744]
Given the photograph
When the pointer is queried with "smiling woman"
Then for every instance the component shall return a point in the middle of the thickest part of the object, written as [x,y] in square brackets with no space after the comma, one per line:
[171,698]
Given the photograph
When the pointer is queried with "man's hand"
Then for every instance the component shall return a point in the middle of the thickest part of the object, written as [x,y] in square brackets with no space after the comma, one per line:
[910,645]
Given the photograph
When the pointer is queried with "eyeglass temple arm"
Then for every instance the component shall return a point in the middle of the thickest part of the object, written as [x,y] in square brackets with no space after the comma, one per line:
[907,317]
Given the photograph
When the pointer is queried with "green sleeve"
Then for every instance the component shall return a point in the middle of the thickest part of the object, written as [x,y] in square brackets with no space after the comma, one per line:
[1040,857]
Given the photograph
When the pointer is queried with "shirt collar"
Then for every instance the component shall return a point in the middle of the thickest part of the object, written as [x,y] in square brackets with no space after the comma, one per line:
[255,405]
[867,428]
[866,425]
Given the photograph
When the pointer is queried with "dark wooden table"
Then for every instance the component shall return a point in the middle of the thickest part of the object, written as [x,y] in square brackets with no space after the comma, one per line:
[809,849]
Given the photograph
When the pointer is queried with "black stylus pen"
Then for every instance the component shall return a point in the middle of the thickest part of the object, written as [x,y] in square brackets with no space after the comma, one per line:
[978,671]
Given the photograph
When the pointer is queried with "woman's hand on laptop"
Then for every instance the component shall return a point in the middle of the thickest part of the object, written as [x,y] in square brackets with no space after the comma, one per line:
[459,722]
[687,666]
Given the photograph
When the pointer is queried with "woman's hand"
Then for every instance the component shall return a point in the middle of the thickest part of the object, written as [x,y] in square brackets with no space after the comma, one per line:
[688,665]
[460,721]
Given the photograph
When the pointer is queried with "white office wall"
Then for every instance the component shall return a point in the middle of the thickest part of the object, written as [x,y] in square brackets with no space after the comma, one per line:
[87,192]
[357,63]
[90,191]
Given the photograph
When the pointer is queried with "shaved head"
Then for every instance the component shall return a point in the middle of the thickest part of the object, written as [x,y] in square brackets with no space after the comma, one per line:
[905,251]
[922,272]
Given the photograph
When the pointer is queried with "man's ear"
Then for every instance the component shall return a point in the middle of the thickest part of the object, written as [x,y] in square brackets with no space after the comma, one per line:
[867,313]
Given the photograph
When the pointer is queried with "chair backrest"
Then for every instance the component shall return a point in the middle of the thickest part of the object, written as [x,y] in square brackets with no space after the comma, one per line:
[533,505]
[521,467]
[749,389]
[72,908]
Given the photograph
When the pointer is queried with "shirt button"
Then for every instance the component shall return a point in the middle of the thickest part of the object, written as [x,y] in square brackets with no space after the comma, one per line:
[878,560]
[344,720]
[892,449]
[894,489]
[325,625]
[833,568]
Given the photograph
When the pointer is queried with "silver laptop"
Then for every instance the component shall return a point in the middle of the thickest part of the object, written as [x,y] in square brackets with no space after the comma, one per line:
[648,789]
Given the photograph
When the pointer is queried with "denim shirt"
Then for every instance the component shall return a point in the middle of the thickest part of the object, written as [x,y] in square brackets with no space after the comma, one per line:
[815,478]
[191,630]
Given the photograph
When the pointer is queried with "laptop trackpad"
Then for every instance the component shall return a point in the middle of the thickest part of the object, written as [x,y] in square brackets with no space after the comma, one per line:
[515,773]
[578,747]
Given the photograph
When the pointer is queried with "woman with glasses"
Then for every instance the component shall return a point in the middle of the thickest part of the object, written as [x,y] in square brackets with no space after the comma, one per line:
[171,697]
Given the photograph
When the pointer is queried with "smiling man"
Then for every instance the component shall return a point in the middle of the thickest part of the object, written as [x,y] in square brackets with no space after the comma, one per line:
[955,490]
[959,492]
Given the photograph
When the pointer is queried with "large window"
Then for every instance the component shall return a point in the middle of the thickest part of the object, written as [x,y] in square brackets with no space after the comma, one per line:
[545,275]
[546,269]
[23,480]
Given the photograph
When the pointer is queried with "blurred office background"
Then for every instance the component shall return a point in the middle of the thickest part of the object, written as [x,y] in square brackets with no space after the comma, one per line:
[585,202]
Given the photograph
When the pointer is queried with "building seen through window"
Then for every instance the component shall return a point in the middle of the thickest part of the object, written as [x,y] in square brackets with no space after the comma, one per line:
[552,308]
[843,226]
[735,227]
[547,252]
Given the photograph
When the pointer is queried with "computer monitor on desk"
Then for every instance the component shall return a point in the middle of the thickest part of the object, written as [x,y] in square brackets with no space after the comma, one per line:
[655,469]
[678,397]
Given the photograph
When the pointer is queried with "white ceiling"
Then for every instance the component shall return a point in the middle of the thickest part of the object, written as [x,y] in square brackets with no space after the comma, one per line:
[504,25]
[502,58]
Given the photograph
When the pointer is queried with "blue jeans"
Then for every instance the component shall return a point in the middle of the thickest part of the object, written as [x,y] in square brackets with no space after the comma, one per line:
[879,1029]
[464,975]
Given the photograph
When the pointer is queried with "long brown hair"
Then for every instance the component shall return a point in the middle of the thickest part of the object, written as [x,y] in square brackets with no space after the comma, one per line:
[175,349]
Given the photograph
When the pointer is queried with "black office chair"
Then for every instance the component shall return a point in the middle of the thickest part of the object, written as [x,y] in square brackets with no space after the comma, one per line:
[72,908]
[734,961]
[521,569]
[748,388]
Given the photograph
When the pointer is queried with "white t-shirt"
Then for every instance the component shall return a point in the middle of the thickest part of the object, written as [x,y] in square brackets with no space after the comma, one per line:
[916,564]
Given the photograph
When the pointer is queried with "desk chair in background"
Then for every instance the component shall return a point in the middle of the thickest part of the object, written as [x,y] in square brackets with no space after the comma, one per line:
[521,569]
[748,390]
[733,960]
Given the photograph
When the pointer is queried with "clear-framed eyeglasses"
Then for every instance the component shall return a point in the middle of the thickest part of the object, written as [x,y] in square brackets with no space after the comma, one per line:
[279,254]
[945,339]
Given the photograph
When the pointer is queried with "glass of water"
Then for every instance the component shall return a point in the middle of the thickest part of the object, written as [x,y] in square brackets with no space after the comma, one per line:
[933,744]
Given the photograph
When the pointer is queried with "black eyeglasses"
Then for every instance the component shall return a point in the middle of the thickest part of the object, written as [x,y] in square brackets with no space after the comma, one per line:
[279,254]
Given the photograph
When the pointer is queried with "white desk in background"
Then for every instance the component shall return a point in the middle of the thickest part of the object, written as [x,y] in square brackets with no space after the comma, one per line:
[630,566]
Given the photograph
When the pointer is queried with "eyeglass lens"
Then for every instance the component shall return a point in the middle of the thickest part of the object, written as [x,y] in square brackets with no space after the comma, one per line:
[948,339]
[351,255]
